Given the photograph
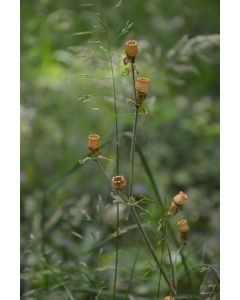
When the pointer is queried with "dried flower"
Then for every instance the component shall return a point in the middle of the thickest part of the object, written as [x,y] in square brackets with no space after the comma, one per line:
[119,182]
[184,229]
[180,198]
[177,204]
[131,49]
[142,84]
[168,298]
[94,143]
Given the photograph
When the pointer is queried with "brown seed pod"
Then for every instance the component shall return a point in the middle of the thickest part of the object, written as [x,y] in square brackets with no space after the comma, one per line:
[94,143]
[177,204]
[142,84]
[180,198]
[140,97]
[184,229]
[119,182]
[131,49]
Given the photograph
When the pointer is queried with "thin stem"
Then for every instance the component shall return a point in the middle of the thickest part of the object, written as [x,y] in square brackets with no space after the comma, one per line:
[160,274]
[168,250]
[117,162]
[117,231]
[163,225]
[102,170]
[171,264]
[117,252]
[159,198]
[132,273]
[150,248]
[148,243]
[133,136]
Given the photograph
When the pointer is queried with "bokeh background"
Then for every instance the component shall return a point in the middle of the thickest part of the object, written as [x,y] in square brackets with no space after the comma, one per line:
[67,215]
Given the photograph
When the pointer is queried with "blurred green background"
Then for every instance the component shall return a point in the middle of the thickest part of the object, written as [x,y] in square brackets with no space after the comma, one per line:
[66,94]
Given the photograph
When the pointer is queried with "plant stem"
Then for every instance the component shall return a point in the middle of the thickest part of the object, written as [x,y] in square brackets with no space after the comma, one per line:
[117,162]
[102,170]
[160,201]
[133,136]
[160,274]
[132,153]
[148,243]
[117,251]
[150,248]
[171,264]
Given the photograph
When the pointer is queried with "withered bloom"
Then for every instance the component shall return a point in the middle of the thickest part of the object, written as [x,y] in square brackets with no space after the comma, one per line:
[131,50]
[168,298]
[94,143]
[180,198]
[184,229]
[177,204]
[142,86]
[119,182]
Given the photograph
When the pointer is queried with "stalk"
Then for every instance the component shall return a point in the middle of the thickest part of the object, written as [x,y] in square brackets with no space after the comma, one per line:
[150,248]
[133,136]
[117,159]
[148,243]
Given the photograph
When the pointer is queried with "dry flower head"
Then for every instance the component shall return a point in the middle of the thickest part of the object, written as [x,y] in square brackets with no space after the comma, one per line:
[131,48]
[94,143]
[119,182]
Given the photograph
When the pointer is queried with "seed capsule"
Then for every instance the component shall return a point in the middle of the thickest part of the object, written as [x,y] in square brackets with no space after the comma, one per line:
[94,143]
[180,198]
[184,229]
[131,48]
[142,84]
[177,204]
[119,182]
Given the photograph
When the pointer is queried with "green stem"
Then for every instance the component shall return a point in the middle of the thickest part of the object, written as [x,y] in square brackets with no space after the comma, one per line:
[117,231]
[102,170]
[150,248]
[164,237]
[117,163]
[171,264]
[160,274]
[160,201]
[117,252]
[132,153]
[148,243]
[133,136]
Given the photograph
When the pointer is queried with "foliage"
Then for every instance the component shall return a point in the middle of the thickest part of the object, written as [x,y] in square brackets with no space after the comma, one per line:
[67,214]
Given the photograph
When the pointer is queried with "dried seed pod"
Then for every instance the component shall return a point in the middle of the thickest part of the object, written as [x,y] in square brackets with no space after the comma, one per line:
[94,143]
[180,198]
[168,298]
[119,182]
[140,97]
[177,204]
[184,229]
[142,84]
[131,49]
